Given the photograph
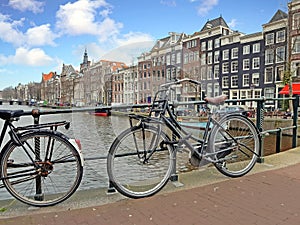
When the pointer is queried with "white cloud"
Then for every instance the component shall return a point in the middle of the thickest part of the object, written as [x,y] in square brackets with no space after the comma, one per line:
[9,32]
[27,5]
[81,17]
[206,6]
[27,57]
[134,37]
[34,36]
[232,24]
[40,35]
[128,53]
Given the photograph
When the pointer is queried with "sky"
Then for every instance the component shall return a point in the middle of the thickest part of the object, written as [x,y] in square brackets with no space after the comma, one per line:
[39,36]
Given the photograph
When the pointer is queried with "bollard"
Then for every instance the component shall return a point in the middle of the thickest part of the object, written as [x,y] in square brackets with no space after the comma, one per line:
[295,121]
[259,124]
[278,139]
[38,182]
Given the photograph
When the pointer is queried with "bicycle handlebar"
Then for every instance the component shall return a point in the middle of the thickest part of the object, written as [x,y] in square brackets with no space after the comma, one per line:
[181,81]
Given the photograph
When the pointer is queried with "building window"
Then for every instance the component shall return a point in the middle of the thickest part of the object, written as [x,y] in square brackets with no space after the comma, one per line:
[225,67]
[269,57]
[234,66]
[246,49]
[256,47]
[217,43]
[209,90]
[246,80]
[296,21]
[234,81]
[225,54]
[280,36]
[216,71]
[217,56]
[203,74]
[269,92]
[203,59]
[269,75]
[209,58]
[255,79]
[235,95]
[270,39]
[168,59]
[216,89]
[255,63]
[280,54]
[209,45]
[296,45]
[209,72]
[196,56]
[246,64]
[279,73]
[296,69]
[203,46]
[191,57]
[234,53]
[225,82]
[186,58]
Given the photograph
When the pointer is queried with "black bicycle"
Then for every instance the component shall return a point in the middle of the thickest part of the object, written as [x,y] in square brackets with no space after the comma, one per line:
[148,148]
[39,165]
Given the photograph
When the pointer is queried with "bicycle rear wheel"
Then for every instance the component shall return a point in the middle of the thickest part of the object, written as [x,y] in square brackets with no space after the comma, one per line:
[235,143]
[128,169]
[37,179]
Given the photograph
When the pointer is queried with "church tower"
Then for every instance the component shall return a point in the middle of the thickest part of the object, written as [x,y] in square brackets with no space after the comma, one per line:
[86,63]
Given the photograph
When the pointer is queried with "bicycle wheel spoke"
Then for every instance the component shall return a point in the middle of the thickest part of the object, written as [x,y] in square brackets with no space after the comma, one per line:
[236,144]
[148,167]
[45,171]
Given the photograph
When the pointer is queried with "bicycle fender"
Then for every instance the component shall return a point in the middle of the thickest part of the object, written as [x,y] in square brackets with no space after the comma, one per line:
[75,145]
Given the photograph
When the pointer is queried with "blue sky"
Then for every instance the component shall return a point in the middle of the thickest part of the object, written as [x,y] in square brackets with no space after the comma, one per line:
[38,36]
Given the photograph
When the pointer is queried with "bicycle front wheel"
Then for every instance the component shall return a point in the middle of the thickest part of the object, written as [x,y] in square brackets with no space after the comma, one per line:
[139,164]
[235,144]
[44,171]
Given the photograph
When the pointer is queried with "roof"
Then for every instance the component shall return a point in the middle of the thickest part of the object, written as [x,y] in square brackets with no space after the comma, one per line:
[279,15]
[214,23]
[295,88]
[48,76]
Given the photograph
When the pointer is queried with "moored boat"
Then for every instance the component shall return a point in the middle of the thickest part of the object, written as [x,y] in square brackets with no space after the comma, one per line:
[101,112]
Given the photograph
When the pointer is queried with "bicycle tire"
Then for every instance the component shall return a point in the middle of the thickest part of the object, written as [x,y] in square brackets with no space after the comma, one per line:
[126,170]
[56,179]
[235,144]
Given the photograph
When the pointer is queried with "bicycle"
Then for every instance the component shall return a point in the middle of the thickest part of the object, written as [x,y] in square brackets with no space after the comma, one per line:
[39,165]
[148,148]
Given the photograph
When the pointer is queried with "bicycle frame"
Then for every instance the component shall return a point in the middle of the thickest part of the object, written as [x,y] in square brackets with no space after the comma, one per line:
[179,133]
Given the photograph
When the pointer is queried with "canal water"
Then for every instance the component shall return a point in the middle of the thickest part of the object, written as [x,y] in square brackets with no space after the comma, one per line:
[96,135]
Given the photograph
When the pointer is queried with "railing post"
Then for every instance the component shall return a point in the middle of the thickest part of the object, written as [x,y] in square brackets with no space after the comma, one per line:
[37,150]
[111,189]
[259,124]
[174,175]
[295,121]
[278,140]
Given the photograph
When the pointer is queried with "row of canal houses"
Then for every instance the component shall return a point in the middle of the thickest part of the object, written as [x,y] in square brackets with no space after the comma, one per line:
[225,61]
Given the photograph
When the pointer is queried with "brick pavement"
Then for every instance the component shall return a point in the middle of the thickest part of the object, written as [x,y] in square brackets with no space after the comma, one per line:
[266,198]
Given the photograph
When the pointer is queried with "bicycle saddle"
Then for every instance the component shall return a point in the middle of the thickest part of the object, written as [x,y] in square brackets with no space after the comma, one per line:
[216,100]
[7,114]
